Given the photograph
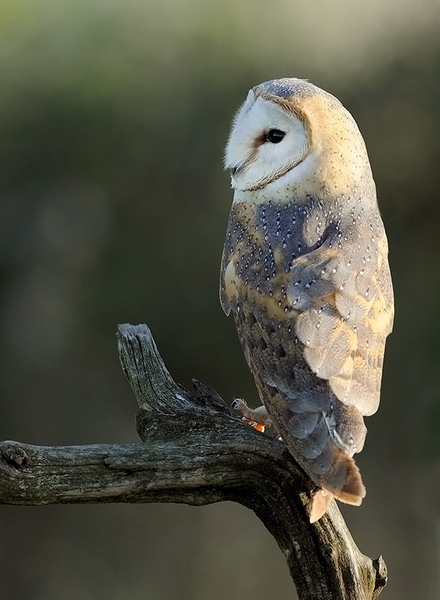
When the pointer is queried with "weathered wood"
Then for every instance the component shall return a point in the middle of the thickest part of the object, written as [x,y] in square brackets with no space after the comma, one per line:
[194,452]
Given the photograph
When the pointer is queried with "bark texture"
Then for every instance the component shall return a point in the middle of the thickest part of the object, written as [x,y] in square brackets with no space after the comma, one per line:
[194,452]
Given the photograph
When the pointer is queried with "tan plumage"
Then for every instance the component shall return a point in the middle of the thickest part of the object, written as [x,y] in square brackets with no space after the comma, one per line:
[306,276]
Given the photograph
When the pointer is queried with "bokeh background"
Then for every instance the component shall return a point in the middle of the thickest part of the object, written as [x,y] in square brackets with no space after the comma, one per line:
[113,207]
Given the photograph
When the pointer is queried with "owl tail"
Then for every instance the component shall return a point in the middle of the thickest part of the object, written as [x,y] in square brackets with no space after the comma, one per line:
[342,482]
[345,471]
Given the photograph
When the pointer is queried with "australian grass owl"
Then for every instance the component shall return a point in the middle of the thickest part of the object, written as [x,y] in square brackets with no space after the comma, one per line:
[305,274]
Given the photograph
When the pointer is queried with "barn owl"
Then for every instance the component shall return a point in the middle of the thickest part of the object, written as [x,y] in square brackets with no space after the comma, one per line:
[305,274]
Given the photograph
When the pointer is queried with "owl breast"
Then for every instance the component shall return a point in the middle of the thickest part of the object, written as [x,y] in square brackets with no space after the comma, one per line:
[263,241]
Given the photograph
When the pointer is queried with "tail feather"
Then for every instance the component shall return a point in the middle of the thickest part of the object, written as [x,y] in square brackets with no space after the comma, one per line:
[345,471]
[352,490]
[319,504]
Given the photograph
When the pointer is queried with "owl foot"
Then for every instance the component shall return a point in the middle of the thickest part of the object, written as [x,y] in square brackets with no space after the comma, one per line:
[256,417]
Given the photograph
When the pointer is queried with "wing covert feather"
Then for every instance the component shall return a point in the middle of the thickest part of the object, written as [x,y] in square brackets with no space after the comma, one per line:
[345,314]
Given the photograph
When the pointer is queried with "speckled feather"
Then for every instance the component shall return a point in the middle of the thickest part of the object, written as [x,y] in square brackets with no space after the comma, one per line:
[306,276]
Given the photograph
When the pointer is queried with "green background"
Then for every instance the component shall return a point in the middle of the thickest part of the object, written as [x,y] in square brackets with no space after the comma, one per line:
[113,208]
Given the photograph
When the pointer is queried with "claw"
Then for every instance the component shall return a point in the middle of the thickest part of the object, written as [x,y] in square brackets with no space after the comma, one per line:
[236,402]
[256,417]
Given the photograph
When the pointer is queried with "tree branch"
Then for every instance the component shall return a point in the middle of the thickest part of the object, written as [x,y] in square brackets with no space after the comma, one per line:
[196,453]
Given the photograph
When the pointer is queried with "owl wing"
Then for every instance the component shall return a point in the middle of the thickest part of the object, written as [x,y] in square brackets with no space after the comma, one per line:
[342,302]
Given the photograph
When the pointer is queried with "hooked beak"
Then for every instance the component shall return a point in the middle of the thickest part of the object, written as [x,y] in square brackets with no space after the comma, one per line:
[236,170]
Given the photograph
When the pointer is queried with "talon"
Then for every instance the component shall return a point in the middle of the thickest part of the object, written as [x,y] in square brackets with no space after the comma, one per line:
[256,417]
[237,404]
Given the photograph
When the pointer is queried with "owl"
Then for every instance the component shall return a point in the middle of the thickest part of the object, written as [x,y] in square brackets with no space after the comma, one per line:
[305,274]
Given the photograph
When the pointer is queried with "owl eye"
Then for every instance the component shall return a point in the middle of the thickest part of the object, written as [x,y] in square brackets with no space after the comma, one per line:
[275,136]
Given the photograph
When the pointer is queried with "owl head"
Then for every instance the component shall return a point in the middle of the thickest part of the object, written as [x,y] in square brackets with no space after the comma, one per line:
[289,130]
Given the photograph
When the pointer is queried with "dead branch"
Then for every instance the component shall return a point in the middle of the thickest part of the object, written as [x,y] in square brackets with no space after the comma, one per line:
[194,452]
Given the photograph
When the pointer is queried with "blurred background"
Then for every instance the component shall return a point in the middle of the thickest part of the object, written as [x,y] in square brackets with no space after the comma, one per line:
[113,208]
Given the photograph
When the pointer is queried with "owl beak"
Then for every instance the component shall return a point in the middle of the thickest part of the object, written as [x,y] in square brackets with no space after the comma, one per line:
[235,172]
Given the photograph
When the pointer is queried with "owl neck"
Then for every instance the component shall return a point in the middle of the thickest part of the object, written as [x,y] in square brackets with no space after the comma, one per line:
[308,179]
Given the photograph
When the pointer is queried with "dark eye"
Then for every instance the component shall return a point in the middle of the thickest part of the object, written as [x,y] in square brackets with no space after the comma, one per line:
[275,136]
